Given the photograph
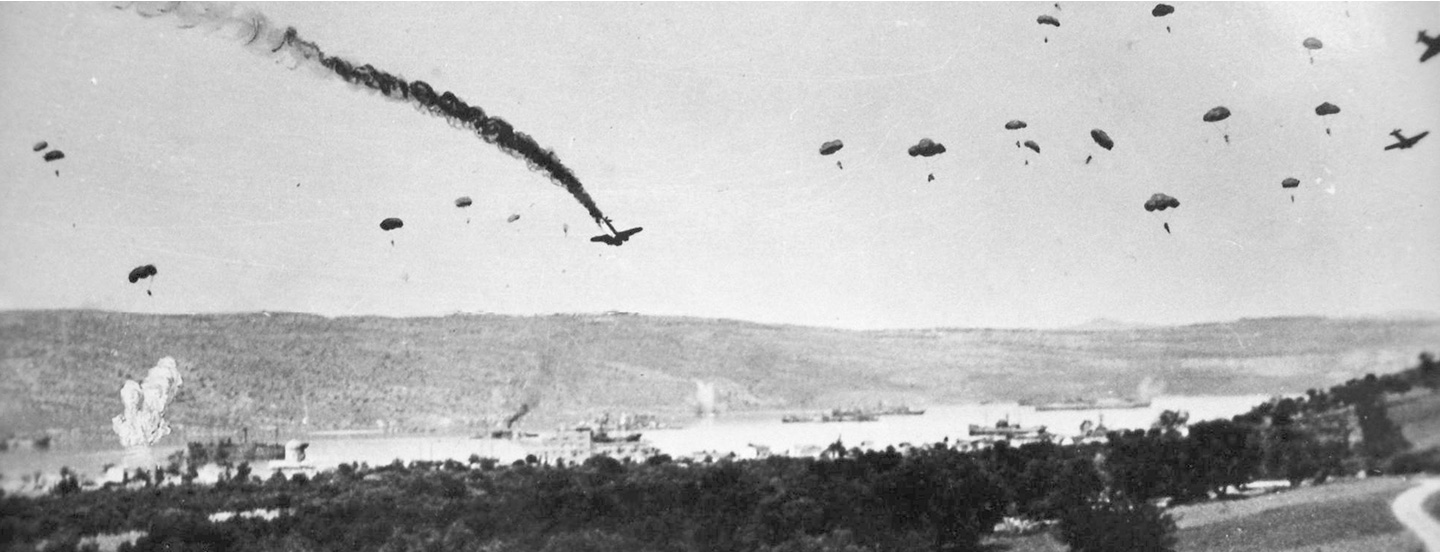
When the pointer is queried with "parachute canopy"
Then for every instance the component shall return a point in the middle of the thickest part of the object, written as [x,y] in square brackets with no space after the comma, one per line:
[391,223]
[831,147]
[53,155]
[1291,182]
[1162,10]
[1313,43]
[1160,202]
[1032,145]
[141,272]
[927,148]
[41,145]
[1015,124]
[1047,20]
[1102,139]
[1218,113]
[512,218]
[1327,108]
[463,201]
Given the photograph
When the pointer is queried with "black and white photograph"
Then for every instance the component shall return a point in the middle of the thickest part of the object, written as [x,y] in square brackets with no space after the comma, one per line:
[720,276]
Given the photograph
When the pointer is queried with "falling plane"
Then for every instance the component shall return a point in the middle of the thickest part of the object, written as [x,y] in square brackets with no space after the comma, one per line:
[615,238]
[1432,46]
[1405,143]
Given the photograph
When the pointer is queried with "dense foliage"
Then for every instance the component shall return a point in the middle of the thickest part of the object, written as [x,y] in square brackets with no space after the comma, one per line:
[925,499]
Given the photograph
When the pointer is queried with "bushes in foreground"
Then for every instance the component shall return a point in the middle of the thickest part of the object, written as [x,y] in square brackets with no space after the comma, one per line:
[922,500]
[1115,523]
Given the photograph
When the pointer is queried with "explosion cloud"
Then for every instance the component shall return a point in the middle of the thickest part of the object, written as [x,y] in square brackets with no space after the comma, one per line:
[259,34]
[143,422]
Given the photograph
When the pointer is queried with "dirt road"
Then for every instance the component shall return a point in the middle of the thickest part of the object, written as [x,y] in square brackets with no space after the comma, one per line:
[1409,507]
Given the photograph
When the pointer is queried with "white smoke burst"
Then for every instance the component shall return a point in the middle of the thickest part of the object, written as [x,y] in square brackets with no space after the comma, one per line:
[143,422]
[705,398]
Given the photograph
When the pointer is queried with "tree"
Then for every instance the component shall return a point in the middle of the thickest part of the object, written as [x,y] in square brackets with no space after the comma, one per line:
[1117,523]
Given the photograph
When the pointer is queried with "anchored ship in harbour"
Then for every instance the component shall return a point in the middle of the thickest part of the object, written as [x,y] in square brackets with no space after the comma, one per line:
[1004,428]
[1092,404]
[854,415]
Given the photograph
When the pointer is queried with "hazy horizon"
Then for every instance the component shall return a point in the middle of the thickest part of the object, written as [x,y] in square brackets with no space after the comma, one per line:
[256,187]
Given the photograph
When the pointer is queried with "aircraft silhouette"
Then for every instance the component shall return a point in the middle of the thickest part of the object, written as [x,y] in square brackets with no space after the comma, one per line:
[1405,143]
[1432,46]
[615,238]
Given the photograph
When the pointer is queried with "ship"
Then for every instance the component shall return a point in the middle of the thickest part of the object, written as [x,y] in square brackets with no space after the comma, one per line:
[1004,428]
[835,415]
[905,410]
[575,445]
[1092,404]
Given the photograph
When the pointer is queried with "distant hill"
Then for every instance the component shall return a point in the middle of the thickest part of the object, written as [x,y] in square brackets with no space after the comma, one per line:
[63,369]
[1106,324]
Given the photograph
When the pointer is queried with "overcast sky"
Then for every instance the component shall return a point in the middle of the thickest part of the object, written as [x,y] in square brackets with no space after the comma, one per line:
[702,123]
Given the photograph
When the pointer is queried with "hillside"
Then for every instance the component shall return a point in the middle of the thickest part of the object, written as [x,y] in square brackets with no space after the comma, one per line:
[63,369]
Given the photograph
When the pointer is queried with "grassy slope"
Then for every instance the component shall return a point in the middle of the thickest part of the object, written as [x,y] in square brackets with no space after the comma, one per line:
[1432,506]
[63,368]
[1351,515]
[1418,414]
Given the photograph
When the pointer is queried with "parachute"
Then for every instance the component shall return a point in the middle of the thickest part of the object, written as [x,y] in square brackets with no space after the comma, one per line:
[1290,182]
[463,201]
[142,271]
[53,155]
[1216,114]
[512,218]
[1032,145]
[1312,44]
[1015,124]
[1102,139]
[1160,202]
[391,223]
[831,147]
[41,145]
[1327,108]
[1162,10]
[927,148]
[1048,20]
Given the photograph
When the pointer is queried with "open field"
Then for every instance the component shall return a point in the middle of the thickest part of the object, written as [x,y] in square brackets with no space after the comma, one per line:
[1418,414]
[62,369]
[1350,515]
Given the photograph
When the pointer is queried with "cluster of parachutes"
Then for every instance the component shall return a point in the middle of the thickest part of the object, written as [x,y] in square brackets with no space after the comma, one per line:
[52,155]
[1157,202]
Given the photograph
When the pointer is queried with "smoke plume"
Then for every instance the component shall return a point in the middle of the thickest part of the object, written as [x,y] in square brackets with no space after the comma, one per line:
[524,408]
[260,35]
[143,422]
[705,398]
[1149,388]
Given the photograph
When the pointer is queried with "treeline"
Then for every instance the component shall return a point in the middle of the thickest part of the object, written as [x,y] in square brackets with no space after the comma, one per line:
[1100,496]
[931,498]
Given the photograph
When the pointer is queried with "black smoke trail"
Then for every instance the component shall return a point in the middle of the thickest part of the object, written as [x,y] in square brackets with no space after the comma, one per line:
[258,33]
